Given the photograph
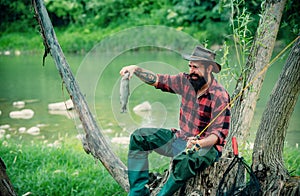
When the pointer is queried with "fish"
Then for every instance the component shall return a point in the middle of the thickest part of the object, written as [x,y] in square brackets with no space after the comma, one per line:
[124,92]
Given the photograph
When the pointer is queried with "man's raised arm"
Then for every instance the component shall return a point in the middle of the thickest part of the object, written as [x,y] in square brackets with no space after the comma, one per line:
[145,75]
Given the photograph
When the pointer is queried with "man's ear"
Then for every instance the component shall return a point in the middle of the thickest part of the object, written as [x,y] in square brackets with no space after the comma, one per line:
[209,68]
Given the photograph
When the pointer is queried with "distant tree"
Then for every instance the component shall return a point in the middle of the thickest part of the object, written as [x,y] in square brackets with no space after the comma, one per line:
[15,16]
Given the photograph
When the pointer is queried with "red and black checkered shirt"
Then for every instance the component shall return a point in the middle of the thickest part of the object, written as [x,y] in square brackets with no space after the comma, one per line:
[197,112]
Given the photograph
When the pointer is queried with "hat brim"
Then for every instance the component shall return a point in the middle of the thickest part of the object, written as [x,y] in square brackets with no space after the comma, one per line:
[216,68]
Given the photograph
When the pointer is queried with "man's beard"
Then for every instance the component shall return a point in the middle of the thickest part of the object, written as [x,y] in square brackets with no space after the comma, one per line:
[197,83]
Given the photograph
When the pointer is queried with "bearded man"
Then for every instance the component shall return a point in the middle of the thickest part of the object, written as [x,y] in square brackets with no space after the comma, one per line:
[204,124]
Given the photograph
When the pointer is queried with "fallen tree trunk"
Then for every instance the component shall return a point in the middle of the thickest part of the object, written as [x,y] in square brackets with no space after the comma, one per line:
[95,141]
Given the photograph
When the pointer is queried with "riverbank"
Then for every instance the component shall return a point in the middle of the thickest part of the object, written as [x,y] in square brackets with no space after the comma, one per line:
[32,43]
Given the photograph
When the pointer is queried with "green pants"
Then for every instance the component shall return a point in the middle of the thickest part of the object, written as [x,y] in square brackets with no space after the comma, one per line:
[145,140]
[185,165]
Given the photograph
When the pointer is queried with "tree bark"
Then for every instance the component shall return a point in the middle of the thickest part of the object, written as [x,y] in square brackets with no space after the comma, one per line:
[268,148]
[244,106]
[96,143]
[6,188]
[207,182]
[260,55]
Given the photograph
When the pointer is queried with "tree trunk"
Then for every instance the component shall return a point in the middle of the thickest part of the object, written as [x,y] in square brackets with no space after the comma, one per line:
[260,55]
[268,148]
[96,143]
[206,183]
[6,188]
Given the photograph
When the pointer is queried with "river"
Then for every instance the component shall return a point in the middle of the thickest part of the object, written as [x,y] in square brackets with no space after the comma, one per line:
[23,78]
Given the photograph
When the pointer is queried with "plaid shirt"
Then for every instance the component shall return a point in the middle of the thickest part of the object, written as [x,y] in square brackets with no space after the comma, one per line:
[196,113]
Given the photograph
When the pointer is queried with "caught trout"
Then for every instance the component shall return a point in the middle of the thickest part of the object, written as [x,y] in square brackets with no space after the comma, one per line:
[124,92]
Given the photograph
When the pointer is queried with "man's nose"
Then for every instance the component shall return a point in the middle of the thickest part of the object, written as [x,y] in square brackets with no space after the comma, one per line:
[192,69]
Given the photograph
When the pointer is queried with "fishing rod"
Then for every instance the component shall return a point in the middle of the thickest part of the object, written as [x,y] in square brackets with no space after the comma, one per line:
[197,146]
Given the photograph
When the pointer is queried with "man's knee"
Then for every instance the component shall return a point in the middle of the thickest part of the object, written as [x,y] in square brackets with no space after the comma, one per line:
[186,165]
[183,167]
[137,140]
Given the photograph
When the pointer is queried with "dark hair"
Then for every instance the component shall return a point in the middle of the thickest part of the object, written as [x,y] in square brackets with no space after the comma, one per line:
[207,63]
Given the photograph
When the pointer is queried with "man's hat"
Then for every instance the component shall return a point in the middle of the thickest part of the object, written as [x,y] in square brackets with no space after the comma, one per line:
[202,54]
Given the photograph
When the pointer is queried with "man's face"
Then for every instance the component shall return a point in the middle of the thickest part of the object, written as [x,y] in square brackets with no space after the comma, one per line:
[197,69]
[198,74]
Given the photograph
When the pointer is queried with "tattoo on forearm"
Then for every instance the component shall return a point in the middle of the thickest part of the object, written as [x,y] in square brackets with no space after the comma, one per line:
[146,76]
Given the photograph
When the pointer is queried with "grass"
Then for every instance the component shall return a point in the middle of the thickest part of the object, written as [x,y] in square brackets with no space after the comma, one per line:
[291,157]
[43,170]
[38,169]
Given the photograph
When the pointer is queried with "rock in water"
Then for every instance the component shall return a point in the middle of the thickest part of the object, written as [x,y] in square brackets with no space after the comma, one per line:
[33,131]
[23,114]
[19,104]
[61,106]
[143,107]
[124,92]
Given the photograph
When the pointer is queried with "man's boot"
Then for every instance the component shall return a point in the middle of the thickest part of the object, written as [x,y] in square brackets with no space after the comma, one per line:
[138,176]
[170,187]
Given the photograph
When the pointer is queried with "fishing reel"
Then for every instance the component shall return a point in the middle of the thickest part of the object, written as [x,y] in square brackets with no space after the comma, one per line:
[194,148]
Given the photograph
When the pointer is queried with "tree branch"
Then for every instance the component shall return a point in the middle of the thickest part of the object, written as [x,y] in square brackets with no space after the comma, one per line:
[96,143]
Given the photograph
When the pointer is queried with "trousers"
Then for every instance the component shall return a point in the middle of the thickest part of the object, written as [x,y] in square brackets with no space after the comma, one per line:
[163,141]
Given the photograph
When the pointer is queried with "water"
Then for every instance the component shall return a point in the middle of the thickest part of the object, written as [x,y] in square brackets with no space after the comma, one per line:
[23,78]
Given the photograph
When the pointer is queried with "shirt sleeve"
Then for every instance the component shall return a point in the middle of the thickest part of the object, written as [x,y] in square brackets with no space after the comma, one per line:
[220,120]
[171,83]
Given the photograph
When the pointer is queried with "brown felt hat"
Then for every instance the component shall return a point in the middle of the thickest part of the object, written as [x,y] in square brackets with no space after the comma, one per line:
[202,54]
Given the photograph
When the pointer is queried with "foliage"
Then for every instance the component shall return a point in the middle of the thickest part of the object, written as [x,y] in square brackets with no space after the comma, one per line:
[241,38]
[205,20]
[240,21]
[290,25]
[44,170]
[17,17]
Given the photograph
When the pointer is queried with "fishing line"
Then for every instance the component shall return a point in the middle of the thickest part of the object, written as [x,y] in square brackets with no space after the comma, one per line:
[247,86]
